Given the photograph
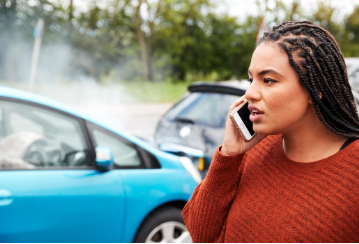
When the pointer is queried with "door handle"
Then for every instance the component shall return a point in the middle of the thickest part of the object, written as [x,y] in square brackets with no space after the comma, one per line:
[5,197]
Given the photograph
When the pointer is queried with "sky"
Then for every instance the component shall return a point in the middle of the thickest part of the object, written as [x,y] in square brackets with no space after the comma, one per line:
[241,8]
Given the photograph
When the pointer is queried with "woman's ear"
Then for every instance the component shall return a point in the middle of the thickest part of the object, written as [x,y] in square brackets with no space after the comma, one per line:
[310,100]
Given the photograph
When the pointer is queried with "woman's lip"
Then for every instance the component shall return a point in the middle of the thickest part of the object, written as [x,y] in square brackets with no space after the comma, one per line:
[253,108]
[255,118]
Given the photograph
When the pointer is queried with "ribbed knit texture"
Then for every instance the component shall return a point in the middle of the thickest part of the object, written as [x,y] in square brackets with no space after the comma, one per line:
[262,196]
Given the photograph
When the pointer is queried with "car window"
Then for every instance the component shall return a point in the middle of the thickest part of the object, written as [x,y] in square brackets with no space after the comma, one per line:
[19,122]
[203,108]
[181,105]
[125,154]
[35,137]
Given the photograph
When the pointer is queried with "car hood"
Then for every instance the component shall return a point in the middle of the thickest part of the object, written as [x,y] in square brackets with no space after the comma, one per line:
[195,136]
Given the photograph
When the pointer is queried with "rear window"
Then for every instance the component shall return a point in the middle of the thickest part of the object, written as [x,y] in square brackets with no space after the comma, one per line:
[208,109]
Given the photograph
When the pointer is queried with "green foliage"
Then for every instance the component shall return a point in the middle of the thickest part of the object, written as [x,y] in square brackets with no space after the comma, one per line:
[350,42]
[155,92]
[188,39]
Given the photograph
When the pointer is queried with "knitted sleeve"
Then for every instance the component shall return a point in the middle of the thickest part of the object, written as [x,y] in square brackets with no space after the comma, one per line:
[206,213]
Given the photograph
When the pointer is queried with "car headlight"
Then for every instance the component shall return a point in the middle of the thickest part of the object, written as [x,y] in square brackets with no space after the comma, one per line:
[191,169]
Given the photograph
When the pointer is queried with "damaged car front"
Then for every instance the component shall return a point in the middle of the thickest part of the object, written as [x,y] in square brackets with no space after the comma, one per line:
[194,126]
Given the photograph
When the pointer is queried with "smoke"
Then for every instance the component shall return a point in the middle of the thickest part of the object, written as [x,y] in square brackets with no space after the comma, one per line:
[70,75]
[56,77]
[55,64]
[16,58]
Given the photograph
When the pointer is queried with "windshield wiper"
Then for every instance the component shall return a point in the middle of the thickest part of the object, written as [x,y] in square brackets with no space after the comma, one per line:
[184,120]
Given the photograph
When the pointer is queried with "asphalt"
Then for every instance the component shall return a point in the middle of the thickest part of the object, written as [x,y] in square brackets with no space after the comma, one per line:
[139,119]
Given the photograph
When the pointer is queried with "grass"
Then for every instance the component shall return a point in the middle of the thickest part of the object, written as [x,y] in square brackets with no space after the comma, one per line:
[134,91]
[156,92]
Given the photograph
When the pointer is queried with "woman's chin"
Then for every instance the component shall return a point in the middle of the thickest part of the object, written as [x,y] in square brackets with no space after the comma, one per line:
[263,130]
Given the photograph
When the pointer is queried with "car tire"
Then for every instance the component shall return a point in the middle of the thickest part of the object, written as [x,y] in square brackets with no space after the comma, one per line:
[164,225]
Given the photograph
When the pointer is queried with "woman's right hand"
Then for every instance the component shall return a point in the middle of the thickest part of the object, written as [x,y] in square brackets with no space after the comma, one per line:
[233,143]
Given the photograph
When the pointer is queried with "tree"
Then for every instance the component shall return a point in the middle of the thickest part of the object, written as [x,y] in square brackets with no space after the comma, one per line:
[152,39]
[325,17]
[18,19]
[350,42]
[184,33]
[145,32]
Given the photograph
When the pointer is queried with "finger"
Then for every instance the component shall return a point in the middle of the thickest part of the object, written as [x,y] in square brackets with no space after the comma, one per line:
[236,103]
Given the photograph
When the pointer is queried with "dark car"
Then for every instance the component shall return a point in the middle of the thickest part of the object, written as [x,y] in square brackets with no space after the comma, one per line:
[195,125]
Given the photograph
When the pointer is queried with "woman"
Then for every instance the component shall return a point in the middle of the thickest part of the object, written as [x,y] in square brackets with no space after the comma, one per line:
[298,179]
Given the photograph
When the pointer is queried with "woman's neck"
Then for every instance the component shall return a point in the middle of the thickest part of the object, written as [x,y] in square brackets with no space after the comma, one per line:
[311,144]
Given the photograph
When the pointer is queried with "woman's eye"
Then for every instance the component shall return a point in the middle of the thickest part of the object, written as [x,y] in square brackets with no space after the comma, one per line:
[250,80]
[268,80]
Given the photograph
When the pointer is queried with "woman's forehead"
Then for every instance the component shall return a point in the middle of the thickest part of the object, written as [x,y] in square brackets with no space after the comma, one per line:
[269,56]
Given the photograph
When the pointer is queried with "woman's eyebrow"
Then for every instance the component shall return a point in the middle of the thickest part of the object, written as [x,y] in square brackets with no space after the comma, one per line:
[266,71]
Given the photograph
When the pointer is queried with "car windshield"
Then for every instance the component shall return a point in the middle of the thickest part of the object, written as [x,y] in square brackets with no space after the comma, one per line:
[203,108]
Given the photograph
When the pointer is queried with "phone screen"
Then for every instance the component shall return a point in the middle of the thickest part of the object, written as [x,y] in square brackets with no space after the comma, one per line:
[244,113]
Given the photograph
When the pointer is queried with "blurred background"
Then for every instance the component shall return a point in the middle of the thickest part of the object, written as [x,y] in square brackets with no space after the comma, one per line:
[128,61]
[146,72]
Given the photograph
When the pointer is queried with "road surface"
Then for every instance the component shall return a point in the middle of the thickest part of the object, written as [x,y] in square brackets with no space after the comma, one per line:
[139,119]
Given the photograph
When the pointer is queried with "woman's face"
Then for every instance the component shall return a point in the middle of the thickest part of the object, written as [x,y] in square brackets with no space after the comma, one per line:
[281,103]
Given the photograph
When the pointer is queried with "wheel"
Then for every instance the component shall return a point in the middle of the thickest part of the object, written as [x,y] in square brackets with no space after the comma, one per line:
[166,225]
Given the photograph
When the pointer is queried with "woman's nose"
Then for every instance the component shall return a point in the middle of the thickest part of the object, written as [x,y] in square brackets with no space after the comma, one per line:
[253,92]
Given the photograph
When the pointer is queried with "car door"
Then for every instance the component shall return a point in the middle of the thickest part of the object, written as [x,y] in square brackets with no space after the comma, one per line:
[145,182]
[149,186]
[50,190]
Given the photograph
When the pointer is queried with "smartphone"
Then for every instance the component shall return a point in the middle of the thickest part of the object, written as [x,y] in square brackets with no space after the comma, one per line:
[240,118]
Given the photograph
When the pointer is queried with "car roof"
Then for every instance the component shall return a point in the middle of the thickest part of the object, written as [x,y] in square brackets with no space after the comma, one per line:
[223,87]
[7,92]
[352,60]
[25,96]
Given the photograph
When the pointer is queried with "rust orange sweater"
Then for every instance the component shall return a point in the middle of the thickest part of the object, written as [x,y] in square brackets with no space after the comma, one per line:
[262,196]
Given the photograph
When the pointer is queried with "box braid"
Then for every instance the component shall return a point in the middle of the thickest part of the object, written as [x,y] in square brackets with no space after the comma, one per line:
[316,57]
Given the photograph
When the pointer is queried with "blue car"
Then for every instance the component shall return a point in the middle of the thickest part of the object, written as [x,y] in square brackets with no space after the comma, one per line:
[67,178]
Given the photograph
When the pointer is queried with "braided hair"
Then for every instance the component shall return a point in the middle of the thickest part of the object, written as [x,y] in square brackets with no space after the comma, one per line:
[316,57]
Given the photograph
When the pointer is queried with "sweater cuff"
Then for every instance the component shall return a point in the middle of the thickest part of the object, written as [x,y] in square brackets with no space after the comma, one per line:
[223,173]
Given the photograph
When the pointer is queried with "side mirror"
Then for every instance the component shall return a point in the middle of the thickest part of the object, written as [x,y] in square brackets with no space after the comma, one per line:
[104,158]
